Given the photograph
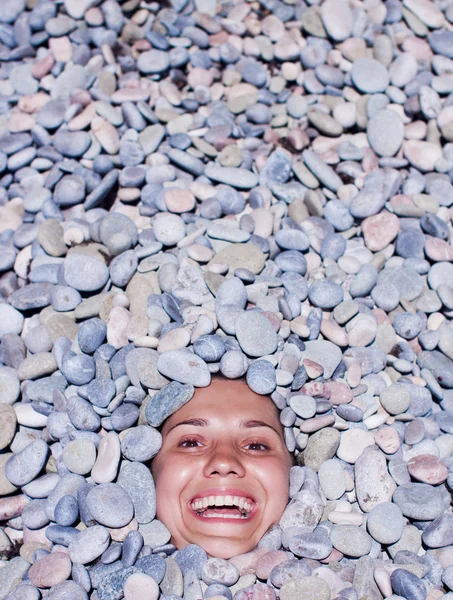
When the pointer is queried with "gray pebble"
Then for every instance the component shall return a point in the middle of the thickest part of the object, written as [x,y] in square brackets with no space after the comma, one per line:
[110,505]
[261,377]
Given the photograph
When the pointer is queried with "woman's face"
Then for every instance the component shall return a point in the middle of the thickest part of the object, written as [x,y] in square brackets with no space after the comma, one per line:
[234,446]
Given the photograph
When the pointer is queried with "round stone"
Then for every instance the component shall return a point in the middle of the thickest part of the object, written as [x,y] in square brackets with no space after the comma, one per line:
[353,442]
[110,505]
[332,479]
[314,545]
[50,570]
[385,523]
[261,377]
[325,293]
[65,298]
[370,76]
[169,229]
[141,443]
[89,544]
[427,469]
[79,456]
[395,399]
[67,511]
[70,191]
[210,348]
[11,320]
[351,540]
[140,586]
[419,501]
[91,335]
[255,334]
[153,61]
[85,273]
[385,131]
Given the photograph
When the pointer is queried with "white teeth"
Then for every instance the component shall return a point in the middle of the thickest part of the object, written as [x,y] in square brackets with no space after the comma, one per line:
[201,504]
[223,516]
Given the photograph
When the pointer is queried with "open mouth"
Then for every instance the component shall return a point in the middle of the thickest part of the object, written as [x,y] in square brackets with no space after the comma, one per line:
[223,507]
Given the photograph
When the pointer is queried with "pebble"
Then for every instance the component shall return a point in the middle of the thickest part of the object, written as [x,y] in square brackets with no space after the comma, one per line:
[405,582]
[110,505]
[255,334]
[89,544]
[418,501]
[385,523]
[350,540]
[325,293]
[370,76]
[50,570]
[385,131]
[261,377]
[23,467]
[85,273]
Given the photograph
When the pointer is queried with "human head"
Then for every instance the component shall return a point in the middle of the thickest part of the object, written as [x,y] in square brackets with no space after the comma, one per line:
[223,455]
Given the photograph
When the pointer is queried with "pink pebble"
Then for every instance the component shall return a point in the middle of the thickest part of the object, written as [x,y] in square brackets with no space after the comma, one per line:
[270,560]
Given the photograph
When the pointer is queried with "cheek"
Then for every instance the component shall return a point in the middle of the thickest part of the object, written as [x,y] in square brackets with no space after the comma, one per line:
[171,475]
[275,478]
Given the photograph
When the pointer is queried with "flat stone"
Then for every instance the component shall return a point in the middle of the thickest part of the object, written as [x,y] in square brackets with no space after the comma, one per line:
[419,501]
[369,75]
[27,464]
[353,443]
[184,366]
[305,588]
[350,540]
[385,523]
[261,377]
[167,401]
[255,334]
[85,273]
[141,443]
[305,510]
[236,177]
[9,386]
[427,468]
[50,570]
[385,131]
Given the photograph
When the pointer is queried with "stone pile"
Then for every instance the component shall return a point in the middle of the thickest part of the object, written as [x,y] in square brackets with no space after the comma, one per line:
[253,187]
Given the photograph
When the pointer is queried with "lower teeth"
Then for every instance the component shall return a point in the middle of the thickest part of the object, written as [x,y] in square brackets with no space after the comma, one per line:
[221,516]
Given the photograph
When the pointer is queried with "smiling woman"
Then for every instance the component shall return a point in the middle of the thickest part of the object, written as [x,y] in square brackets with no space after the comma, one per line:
[222,474]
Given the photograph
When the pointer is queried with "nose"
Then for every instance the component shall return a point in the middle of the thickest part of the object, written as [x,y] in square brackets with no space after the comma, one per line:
[224,460]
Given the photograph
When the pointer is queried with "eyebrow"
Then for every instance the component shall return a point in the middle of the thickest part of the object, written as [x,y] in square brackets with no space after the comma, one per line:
[243,424]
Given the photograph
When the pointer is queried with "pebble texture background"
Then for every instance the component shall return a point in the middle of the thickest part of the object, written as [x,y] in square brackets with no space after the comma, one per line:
[257,187]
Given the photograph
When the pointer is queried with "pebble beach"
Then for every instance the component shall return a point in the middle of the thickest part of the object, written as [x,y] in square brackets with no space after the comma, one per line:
[261,188]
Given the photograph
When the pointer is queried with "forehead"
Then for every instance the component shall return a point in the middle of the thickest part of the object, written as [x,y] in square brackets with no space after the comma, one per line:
[227,401]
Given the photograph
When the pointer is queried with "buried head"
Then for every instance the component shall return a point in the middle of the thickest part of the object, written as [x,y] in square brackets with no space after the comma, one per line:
[222,474]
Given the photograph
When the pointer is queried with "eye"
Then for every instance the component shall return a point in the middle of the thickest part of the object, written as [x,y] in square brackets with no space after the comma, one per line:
[190,441]
[258,444]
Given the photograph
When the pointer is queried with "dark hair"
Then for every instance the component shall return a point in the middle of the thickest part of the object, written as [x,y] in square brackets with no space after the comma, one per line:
[243,379]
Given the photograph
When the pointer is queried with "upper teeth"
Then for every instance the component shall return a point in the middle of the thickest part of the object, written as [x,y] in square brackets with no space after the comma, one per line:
[203,503]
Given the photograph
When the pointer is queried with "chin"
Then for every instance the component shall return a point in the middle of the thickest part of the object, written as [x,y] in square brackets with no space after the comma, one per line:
[225,549]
